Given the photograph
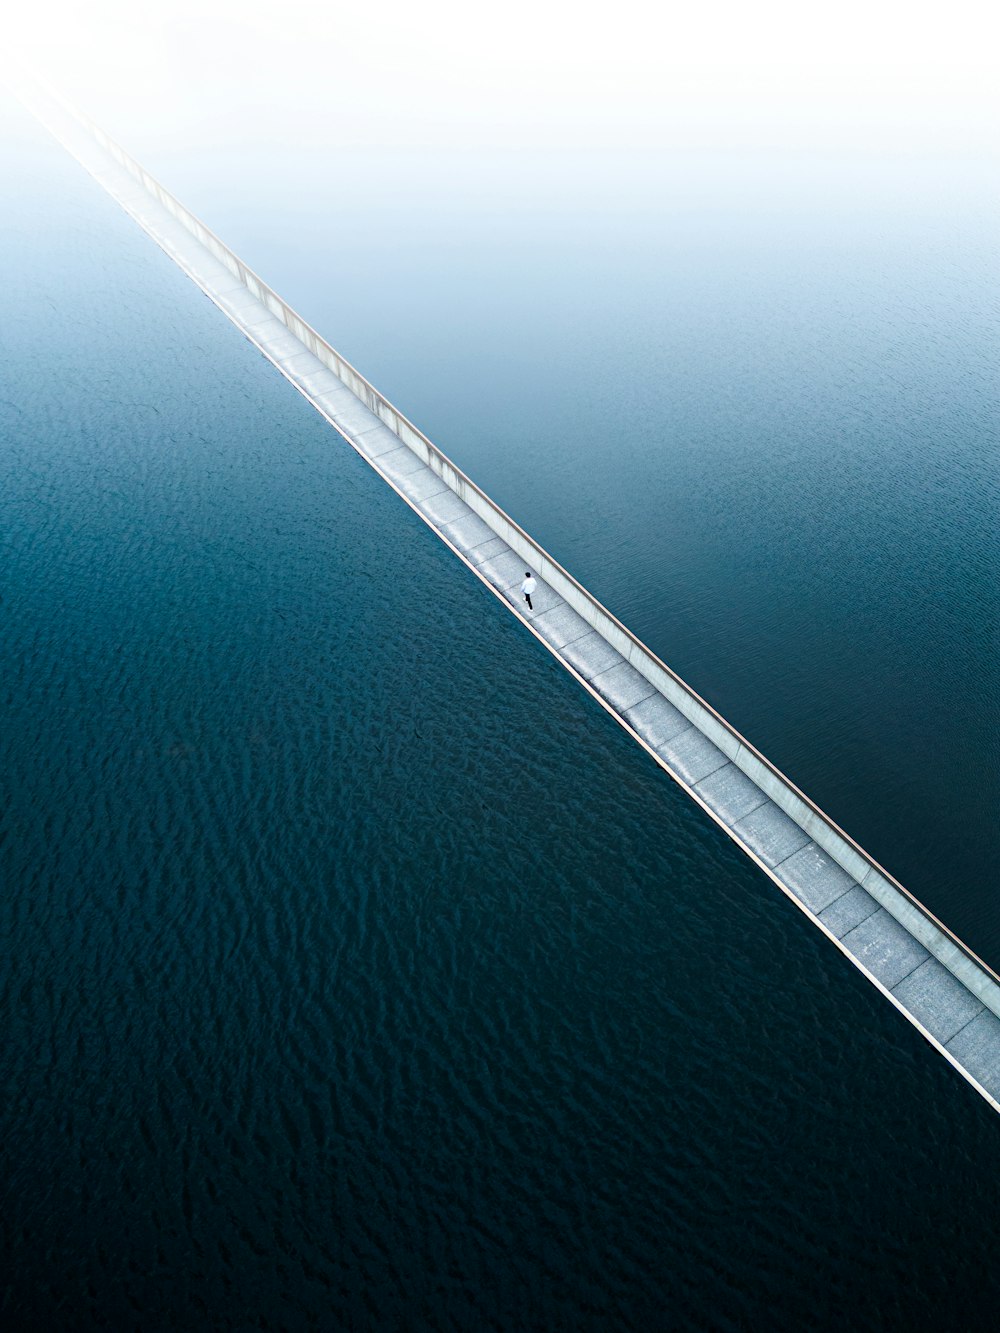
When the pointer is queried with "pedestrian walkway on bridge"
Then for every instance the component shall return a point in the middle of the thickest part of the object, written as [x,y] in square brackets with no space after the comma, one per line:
[928,974]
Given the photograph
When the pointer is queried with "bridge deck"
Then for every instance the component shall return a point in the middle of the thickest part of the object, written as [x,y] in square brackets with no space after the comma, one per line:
[955,1006]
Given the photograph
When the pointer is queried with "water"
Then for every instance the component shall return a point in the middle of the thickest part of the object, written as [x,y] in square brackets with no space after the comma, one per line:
[358,970]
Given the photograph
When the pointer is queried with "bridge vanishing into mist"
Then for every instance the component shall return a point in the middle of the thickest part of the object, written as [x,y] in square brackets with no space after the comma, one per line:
[931,977]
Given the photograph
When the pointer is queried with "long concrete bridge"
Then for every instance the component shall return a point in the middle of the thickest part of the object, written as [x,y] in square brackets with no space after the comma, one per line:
[930,976]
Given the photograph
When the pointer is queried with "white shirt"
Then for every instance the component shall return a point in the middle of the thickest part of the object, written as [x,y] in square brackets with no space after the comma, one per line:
[529,585]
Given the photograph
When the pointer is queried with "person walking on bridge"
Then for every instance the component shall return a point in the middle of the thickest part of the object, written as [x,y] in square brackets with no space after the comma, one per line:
[528,587]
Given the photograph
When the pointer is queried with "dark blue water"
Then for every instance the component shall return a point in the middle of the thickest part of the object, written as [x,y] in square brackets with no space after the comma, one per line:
[357,970]
[750,402]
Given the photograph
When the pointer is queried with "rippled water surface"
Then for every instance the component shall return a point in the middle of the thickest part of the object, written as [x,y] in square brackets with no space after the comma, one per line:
[358,971]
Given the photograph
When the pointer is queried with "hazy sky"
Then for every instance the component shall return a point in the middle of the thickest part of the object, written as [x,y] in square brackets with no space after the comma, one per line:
[864,76]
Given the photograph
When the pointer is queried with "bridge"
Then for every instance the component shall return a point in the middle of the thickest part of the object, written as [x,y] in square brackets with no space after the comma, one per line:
[924,970]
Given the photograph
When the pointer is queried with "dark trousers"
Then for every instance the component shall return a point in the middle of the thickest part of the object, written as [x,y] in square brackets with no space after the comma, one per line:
[527,598]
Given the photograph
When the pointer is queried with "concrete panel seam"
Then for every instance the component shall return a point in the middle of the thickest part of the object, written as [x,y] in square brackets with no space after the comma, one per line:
[966,1023]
